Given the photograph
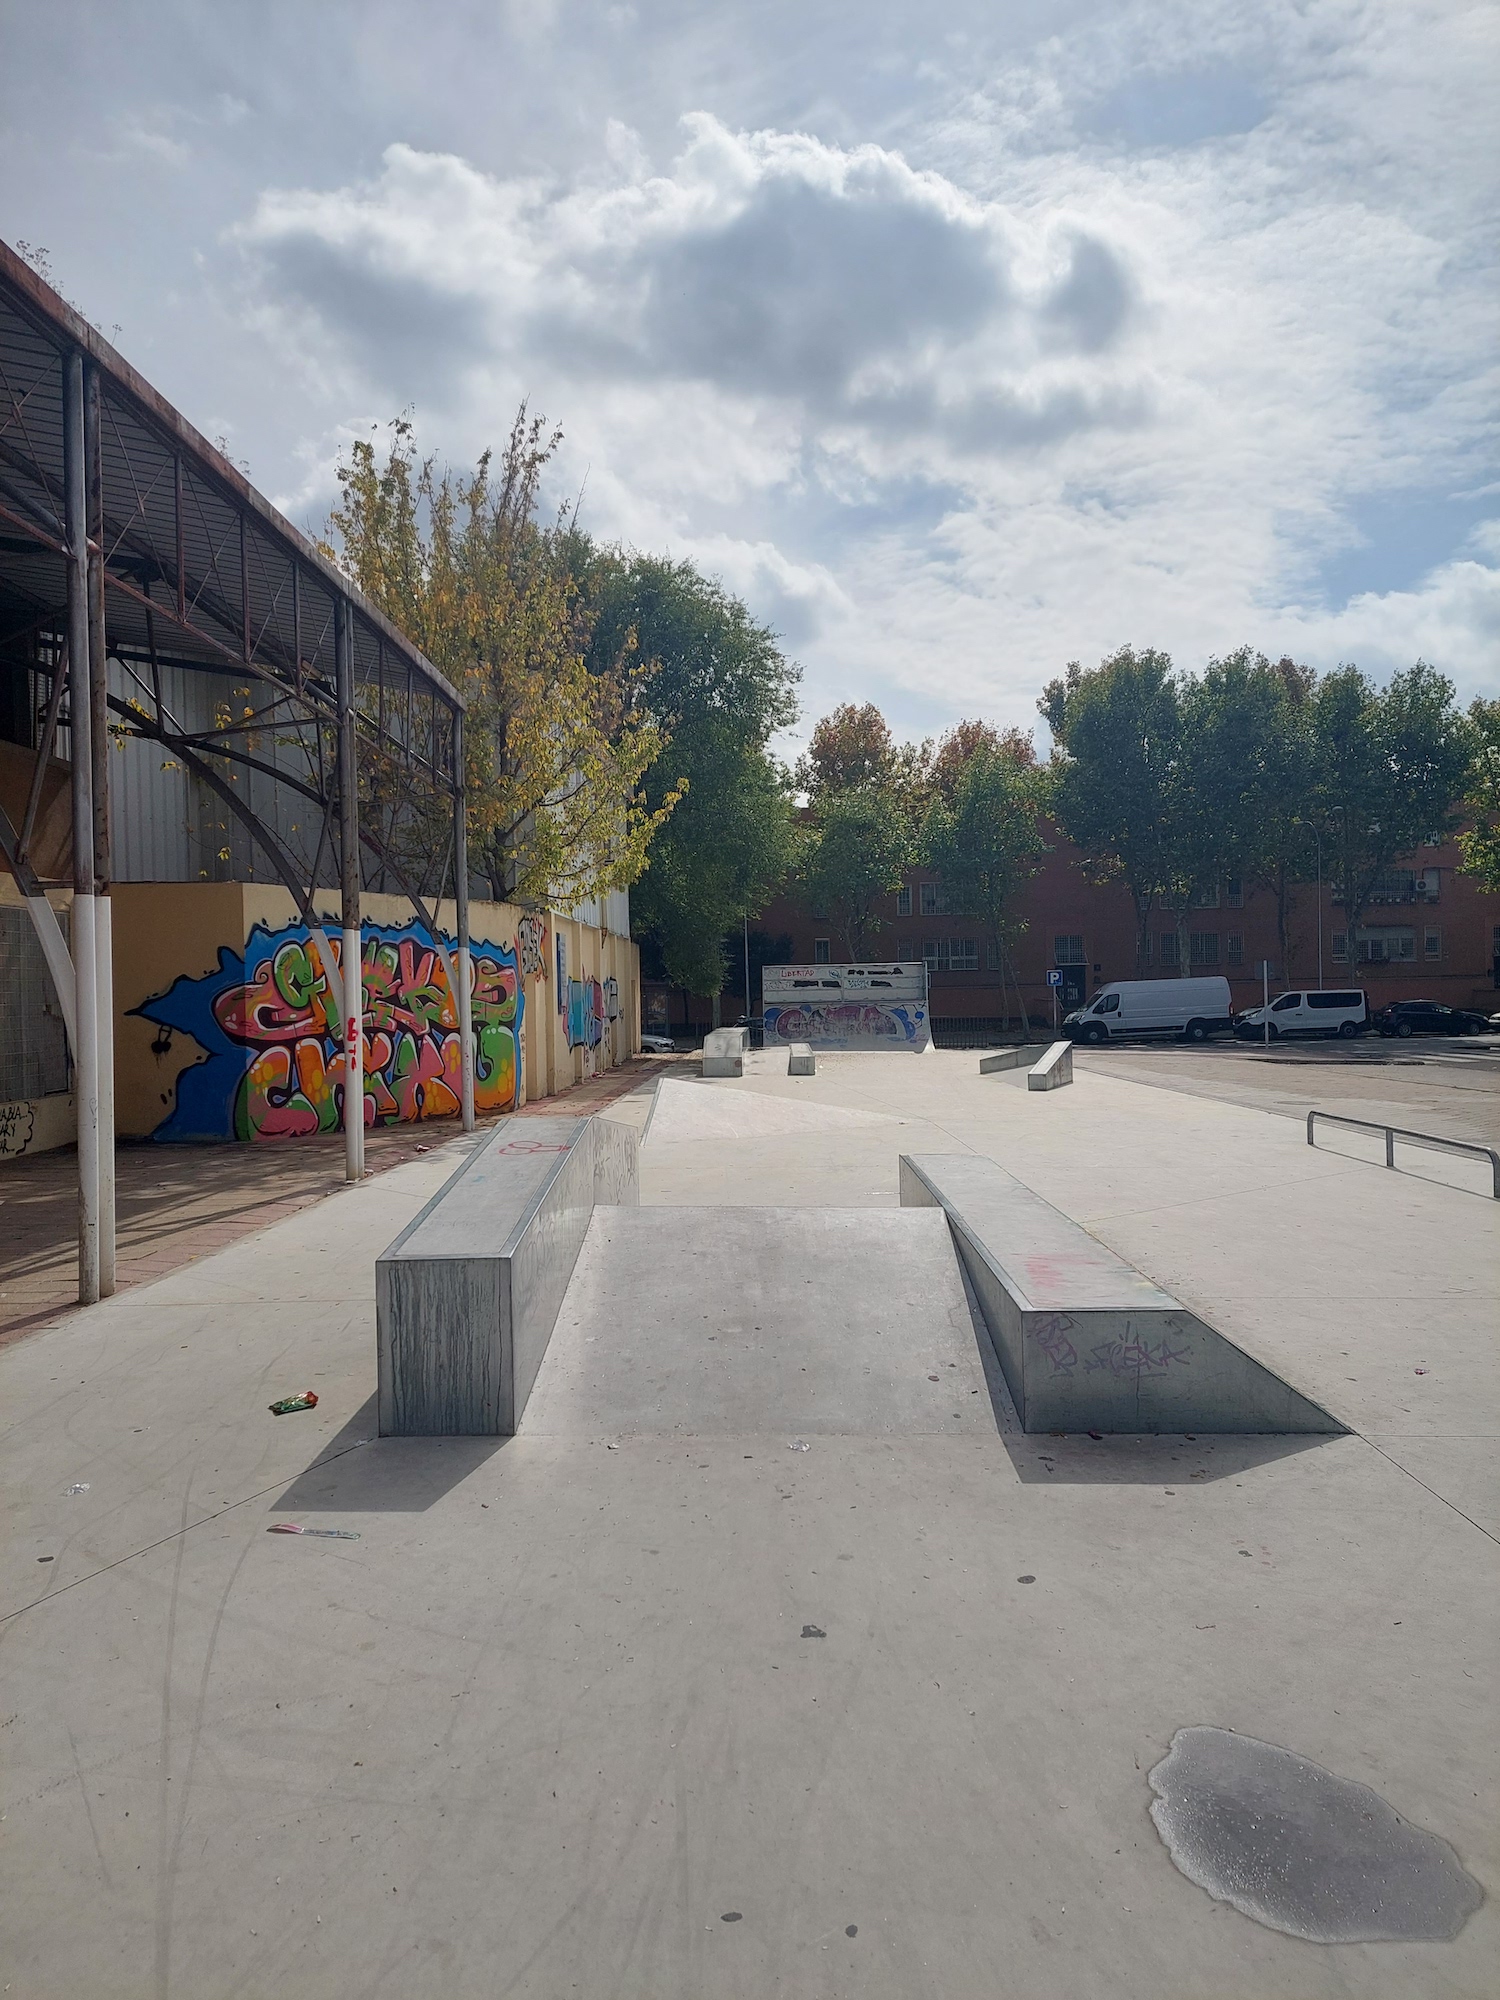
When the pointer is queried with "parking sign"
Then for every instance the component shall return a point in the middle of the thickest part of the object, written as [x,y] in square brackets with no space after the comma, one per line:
[1054,978]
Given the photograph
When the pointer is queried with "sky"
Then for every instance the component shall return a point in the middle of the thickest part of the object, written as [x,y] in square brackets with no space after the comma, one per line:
[961,341]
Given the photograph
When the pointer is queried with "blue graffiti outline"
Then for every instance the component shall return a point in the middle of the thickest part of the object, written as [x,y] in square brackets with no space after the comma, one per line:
[206,1090]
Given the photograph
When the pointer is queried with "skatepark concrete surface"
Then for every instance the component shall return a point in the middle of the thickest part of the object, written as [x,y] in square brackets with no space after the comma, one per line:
[781,1670]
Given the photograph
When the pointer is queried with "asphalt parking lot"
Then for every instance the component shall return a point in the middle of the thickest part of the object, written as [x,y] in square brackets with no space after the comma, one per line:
[1446,1085]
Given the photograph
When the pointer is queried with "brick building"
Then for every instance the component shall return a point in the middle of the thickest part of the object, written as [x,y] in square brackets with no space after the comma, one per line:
[1430,933]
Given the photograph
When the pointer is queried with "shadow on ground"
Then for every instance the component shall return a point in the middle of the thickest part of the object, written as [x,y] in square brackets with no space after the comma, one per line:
[1178,1462]
[361,1473]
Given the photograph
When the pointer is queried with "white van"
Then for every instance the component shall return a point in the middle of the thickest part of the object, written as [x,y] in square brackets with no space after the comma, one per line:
[1192,1008]
[1332,1012]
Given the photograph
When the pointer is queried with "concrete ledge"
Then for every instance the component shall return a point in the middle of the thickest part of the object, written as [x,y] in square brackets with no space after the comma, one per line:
[1054,1069]
[801,1061]
[724,1051]
[1084,1340]
[1001,1059]
[467,1295]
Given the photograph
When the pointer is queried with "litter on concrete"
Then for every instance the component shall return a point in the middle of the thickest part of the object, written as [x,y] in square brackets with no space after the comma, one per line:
[307,1400]
[326,1534]
[81,1487]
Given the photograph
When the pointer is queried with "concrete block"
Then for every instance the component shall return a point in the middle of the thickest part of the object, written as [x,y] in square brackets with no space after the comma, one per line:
[801,1061]
[1084,1340]
[724,1051]
[1053,1070]
[1003,1059]
[467,1295]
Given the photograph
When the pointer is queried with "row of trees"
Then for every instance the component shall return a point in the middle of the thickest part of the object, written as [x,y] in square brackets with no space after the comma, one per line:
[1269,773]
[620,707]
[1173,784]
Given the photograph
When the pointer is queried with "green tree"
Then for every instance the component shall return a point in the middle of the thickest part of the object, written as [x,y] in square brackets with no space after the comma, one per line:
[1391,765]
[861,847]
[718,686]
[1245,777]
[986,844]
[1480,839]
[1118,731]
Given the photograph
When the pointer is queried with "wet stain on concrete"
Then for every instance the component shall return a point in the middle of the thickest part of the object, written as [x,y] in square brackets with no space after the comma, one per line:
[1301,1850]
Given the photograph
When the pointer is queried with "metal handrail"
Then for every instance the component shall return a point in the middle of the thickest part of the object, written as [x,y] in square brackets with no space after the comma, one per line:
[1395,1132]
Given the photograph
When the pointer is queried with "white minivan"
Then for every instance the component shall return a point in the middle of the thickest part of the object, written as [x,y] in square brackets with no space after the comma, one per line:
[1332,1012]
[1192,1008]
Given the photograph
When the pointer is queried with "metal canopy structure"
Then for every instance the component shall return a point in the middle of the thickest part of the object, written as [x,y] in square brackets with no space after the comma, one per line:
[127,540]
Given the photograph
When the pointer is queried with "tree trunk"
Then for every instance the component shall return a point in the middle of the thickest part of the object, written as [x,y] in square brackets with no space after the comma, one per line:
[1020,996]
[1184,964]
[718,1006]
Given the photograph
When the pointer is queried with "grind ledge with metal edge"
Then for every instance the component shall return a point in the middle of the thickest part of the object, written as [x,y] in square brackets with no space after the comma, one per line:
[1085,1341]
[467,1296]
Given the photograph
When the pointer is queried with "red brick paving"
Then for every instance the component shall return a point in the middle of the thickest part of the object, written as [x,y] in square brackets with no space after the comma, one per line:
[175,1204]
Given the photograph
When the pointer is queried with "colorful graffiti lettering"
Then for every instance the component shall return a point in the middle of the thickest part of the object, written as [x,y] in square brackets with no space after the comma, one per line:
[849,1025]
[275,1061]
[531,944]
[585,1013]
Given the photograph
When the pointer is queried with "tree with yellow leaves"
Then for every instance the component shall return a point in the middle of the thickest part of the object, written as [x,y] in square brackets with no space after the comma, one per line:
[555,752]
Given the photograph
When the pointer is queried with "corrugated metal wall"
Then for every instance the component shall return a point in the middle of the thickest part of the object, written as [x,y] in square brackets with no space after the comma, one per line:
[167,825]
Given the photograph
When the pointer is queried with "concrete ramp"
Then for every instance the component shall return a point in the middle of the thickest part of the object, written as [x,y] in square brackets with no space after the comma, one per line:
[746,1321]
[1085,1341]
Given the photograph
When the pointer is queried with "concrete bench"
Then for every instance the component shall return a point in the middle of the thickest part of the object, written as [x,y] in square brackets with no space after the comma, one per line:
[467,1295]
[1053,1070]
[1002,1059]
[801,1061]
[1084,1340]
[724,1051]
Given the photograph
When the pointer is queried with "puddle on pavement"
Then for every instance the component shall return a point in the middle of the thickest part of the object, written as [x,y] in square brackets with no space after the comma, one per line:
[1314,1855]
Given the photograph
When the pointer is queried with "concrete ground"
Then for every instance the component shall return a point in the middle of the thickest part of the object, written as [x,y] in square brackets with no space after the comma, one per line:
[178,1203]
[648,1701]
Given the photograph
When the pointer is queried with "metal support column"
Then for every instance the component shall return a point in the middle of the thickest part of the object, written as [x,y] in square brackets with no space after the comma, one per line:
[352,953]
[85,976]
[461,899]
[104,971]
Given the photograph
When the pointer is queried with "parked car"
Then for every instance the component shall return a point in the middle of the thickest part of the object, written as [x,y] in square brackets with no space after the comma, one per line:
[1321,1011]
[1429,1017]
[1192,1008]
[658,1045]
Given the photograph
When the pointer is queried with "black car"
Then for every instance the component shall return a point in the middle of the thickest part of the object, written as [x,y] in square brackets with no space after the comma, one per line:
[1429,1017]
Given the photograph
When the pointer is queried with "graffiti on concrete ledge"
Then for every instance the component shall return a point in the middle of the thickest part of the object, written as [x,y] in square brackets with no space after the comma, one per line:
[17,1125]
[274,1066]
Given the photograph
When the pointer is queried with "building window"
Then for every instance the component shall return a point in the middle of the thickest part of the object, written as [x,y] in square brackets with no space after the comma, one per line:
[1068,950]
[1146,949]
[1236,948]
[1207,899]
[934,900]
[1387,946]
[1168,942]
[1234,893]
[935,954]
[1432,944]
[903,902]
[1341,945]
[1203,948]
[963,954]
[820,951]
[992,959]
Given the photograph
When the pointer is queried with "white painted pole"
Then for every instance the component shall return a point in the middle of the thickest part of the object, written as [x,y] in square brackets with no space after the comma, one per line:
[1265,999]
[85,975]
[465,995]
[354,1055]
[104,986]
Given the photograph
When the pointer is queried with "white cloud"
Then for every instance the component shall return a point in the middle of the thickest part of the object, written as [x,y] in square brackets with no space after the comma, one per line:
[1113,344]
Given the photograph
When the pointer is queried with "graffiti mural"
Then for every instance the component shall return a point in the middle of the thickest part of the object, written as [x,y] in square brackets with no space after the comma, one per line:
[531,944]
[274,1064]
[846,1006]
[585,1013]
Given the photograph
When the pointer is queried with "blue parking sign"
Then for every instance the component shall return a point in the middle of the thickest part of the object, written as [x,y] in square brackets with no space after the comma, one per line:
[1054,978]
